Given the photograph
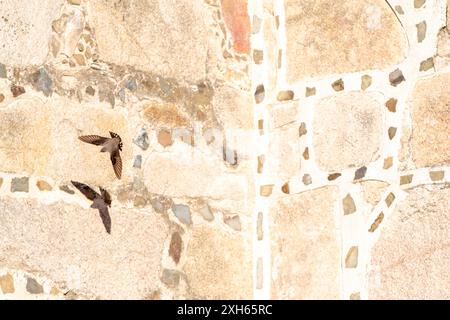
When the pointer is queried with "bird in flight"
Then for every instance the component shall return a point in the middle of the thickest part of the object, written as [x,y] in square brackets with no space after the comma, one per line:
[100,201]
[112,145]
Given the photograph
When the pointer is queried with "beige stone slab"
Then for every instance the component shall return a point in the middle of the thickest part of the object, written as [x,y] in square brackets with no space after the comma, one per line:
[25,30]
[411,259]
[219,264]
[430,142]
[68,244]
[348,130]
[41,138]
[324,37]
[170,38]
[305,246]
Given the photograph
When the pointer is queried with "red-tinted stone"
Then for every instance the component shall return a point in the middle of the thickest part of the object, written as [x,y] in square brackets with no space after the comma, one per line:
[238,22]
[175,248]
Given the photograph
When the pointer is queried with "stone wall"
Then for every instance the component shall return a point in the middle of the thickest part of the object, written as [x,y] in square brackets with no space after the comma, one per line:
[271,149]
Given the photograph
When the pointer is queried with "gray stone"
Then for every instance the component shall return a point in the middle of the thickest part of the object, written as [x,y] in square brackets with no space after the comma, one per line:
[142,139]
[161,204]
[396,77]
[182,212]
[131,84]
[43,82]
[90,90]
[20,184]
[137,161]
[256,24]
[2,70]
[230,156]
[360,173]
[171,278]
[33,286]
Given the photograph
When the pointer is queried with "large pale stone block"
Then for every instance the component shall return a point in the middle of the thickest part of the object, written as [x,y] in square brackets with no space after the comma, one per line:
[347,130]
[69,245]
[25,30]
[170,38]
[219,264]
[327,38]
[42,139]
[305,246]
[195,174]
[431,121]
[411,259]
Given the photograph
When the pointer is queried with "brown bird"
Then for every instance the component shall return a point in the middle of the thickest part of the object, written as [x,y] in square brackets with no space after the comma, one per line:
[100,201]
[112,145]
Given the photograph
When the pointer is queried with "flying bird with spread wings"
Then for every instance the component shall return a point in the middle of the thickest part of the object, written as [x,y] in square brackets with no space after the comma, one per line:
[101,201]
[112,145]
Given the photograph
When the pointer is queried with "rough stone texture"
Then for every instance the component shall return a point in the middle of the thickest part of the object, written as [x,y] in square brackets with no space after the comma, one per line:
[190,176]
[305,246]
[369,36]
[28,33]
[129,33]
[124,264]
[228,255]
[30,121]
[431,121]
[232,107]
[412,256]
[347,131]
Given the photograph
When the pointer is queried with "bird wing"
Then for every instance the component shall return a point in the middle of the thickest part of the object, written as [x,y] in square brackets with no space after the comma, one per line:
[86,190]
[106,196]
[115,135]
[106,218]
[117,163]
[93,139]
